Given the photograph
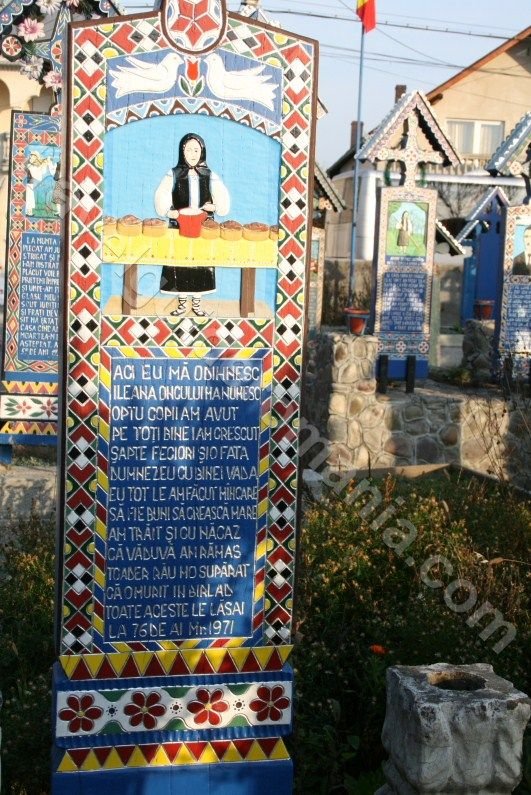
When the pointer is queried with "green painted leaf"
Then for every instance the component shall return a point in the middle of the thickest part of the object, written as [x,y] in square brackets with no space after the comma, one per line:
[175,725]
[177,692]
[199,87]
[112,728]
[112,695]
[185,88]
[238,689]
[239,720]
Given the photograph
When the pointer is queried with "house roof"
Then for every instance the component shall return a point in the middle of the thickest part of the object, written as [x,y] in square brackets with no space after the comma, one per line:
[433,95]
[474,217]
[378,145]
[328,189]
[443,235]
[336,167]
[505,158]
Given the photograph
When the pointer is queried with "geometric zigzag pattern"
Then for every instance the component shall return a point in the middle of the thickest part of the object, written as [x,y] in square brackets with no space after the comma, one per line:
[295,58]
[169,754]
[184,662]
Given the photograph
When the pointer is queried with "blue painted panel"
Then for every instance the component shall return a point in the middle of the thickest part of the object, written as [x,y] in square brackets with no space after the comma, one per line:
[397,369]
[489,263]
[28,438]
[182,502]
[247,778]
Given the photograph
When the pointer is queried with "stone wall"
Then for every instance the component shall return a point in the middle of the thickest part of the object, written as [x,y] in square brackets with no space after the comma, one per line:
[436,424]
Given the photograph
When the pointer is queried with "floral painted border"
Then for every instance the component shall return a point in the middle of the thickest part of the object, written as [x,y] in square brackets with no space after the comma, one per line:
[174,709]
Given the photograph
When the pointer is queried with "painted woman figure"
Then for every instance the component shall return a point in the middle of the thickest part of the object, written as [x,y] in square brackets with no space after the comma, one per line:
[405,230]
[190,184]
[40,173]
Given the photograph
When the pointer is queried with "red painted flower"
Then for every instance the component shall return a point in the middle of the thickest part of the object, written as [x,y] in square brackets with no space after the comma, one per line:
[50,408]
[208,706]
[270,702]
[377,649]
[80,713]
[192,69]
[144,709]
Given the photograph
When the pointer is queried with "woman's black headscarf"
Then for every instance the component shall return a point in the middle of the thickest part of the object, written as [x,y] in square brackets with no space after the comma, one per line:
[180,191]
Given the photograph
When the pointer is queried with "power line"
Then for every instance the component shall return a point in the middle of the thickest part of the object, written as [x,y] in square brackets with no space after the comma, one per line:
[337,18]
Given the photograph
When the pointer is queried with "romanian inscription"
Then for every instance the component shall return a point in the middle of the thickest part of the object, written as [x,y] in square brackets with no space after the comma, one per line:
[182,504]
[518,324]
[39,297]
[403,301]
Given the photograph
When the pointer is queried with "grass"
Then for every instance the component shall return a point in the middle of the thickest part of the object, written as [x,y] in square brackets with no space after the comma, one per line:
[360,608]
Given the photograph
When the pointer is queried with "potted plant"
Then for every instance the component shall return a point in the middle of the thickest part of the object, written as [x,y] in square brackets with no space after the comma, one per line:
[357,314]
[483,310]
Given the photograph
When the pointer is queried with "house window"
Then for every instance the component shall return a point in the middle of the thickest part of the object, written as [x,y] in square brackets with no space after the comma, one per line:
[479,138]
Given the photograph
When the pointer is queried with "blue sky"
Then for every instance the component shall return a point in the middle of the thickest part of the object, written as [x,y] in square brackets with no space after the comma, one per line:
[435,56]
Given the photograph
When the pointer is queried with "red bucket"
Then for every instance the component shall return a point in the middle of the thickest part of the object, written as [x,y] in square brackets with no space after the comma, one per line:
[356,320]
[190,221]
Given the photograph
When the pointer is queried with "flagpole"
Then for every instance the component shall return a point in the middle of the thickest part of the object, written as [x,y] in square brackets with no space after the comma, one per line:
[352,274]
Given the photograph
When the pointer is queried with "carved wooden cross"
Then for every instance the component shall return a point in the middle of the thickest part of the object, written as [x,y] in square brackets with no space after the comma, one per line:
[410,153]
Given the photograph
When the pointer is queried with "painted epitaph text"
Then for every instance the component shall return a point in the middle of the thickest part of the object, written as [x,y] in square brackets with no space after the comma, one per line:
[39,297]
[183,498]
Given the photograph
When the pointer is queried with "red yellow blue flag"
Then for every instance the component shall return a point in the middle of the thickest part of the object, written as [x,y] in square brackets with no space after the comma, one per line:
[366,10]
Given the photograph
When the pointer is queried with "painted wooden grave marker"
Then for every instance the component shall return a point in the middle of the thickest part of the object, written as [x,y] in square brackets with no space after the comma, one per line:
[29,391]
[410,136]
[513,317]
[513,326]
[30,347]
[481,274]
[190,166]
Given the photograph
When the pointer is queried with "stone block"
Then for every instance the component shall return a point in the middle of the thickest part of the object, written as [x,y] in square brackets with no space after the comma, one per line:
[400,445]
[363,458]
[367,386]
[373,439]
[367,368]
[393,420]
[449,435]
[337,429]
[358,348]
[338,404]
[417,427]
[455,411]
[428,451]
[372,416]
[414,411]
[350,373]
[355,406]
[355,437]
[453,729]
[340,353]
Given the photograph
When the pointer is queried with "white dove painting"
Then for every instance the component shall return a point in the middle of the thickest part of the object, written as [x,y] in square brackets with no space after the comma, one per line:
[139,76]
[243,84]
